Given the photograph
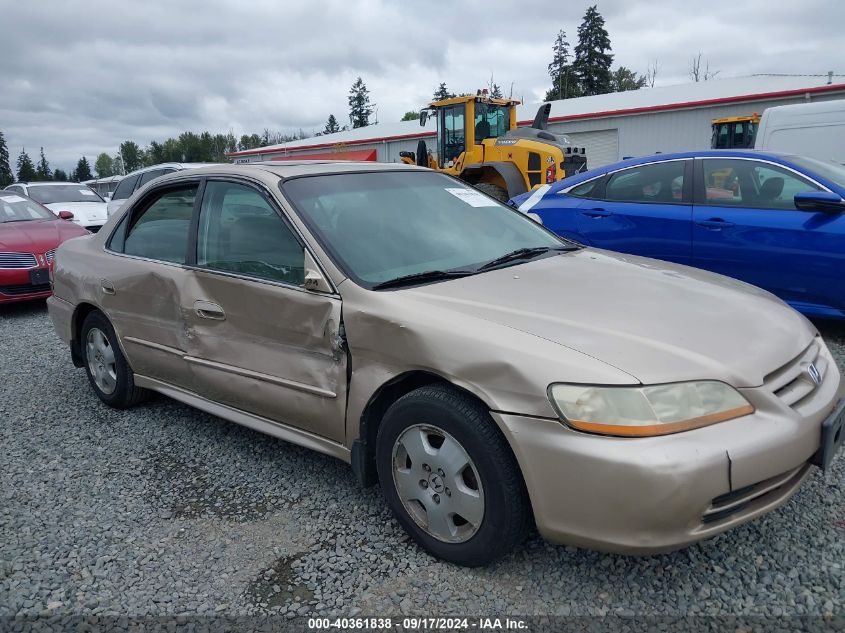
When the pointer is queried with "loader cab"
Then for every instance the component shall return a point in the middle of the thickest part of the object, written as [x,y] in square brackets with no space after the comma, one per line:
[463,123]
[737,132]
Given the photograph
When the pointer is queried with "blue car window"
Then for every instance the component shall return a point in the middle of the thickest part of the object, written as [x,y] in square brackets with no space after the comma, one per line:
[750,183]
[658,182]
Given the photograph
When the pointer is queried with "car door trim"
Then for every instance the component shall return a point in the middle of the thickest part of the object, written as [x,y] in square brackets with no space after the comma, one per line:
[157,346]
[261,424]
[248,373]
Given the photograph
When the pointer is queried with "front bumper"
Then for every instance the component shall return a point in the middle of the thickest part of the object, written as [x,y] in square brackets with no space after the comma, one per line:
[18,285]
[649,495]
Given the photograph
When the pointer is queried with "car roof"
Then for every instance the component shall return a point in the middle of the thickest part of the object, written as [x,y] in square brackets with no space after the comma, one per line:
[292,169]
[41,183]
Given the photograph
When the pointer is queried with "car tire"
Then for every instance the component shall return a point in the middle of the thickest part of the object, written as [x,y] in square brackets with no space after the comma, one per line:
[494,191]
[422,443]
[105,365]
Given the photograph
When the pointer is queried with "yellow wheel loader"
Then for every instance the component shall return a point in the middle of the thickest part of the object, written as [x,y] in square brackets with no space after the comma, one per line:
[478,141]
[734,132]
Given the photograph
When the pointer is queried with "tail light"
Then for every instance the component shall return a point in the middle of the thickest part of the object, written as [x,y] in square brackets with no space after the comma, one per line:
[551,173]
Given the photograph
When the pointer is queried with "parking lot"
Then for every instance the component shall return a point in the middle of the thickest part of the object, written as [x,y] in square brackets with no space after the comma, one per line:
[166,510]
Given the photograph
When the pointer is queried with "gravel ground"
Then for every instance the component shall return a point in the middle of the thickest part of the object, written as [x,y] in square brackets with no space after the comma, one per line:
[166,510]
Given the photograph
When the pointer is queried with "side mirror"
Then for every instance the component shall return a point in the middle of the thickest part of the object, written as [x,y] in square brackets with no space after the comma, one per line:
[314,279]
[65,215]
[423,117]
[824,201]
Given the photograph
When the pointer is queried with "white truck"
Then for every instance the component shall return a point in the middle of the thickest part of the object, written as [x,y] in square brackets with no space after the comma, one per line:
[810,129]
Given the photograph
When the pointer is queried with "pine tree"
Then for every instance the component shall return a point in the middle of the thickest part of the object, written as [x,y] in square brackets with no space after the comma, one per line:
[6,175]
[496,91]
[623,79]
[564,81]
[43,171]
[59,175]
[359,104]
[82,171]
[592,55]
[331,125]
[442,92]
[26,169]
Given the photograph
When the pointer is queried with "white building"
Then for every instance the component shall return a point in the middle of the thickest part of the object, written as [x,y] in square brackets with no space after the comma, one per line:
[610,127]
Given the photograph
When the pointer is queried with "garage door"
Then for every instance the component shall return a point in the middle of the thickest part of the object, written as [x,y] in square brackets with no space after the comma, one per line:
[602,145]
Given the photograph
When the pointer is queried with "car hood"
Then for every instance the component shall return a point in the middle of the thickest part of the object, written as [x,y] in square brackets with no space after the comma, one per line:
[653,320]
[82,211]
[36,236]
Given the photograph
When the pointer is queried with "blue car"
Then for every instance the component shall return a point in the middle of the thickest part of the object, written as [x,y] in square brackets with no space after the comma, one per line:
[773,220]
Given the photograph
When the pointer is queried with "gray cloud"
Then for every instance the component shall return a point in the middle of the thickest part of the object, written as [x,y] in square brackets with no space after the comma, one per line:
[80,77]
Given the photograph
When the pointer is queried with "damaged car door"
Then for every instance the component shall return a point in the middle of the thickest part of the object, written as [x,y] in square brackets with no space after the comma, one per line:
[258,340]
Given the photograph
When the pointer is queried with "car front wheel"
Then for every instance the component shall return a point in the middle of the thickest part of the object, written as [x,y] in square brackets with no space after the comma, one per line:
[450,477]
[108,372]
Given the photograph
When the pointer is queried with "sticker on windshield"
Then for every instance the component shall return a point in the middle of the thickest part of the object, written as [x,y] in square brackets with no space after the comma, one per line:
[85,192]
[472,197]
[12,199]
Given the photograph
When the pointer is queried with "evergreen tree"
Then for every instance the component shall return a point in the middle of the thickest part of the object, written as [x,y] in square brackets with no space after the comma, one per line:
[132,156]
[43,171]
[331,125]
[104,166]
[496,91]
[411,115]
[623,79]
[26,169]
[59,175]
[592,55]
[564,81]
[360,108]
[6,175]
[442,92]
[82,171]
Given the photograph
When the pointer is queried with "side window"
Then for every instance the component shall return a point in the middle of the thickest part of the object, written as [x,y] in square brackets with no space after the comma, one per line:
[240,232]
[748,183]
[160,229]
[14,188]
[776,187]
[147,176]
[125,188]
[658,182]
[585,189]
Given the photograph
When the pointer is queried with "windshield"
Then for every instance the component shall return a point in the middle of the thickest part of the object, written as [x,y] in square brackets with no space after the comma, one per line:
[14,208]
[48,194]
[834,172]
[384,225]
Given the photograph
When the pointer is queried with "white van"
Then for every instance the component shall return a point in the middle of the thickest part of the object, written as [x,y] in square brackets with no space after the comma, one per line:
[811,129]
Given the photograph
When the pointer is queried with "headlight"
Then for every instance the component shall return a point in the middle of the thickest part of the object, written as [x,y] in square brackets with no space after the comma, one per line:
[647,411]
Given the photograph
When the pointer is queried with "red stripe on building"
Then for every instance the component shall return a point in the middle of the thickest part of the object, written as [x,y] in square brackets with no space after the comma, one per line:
[360,155]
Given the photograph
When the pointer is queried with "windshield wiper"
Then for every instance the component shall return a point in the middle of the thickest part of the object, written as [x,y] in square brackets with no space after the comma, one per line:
[523,253]
[423,277]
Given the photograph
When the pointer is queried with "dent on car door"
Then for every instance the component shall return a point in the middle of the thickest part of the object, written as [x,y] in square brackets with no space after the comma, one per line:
[644,210]
[746,226]
[140,290]
[257,339]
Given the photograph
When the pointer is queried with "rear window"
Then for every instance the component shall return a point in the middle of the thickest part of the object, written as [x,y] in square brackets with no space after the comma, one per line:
[48,194]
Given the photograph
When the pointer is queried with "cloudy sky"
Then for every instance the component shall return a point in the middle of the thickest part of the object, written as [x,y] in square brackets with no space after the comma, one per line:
[80,77]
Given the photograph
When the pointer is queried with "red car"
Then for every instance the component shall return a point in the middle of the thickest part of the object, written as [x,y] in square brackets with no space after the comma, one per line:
[29,236]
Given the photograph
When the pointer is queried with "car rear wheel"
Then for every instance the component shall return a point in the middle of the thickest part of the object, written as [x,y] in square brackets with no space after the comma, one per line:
[108,372]
[450,477]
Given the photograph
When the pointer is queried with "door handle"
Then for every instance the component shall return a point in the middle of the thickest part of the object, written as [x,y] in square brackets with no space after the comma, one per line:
[107,286]
[596,212]
[209,310]
[715,223]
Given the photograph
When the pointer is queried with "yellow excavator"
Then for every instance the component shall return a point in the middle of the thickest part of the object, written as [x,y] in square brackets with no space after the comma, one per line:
[479,142]
[734,132]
